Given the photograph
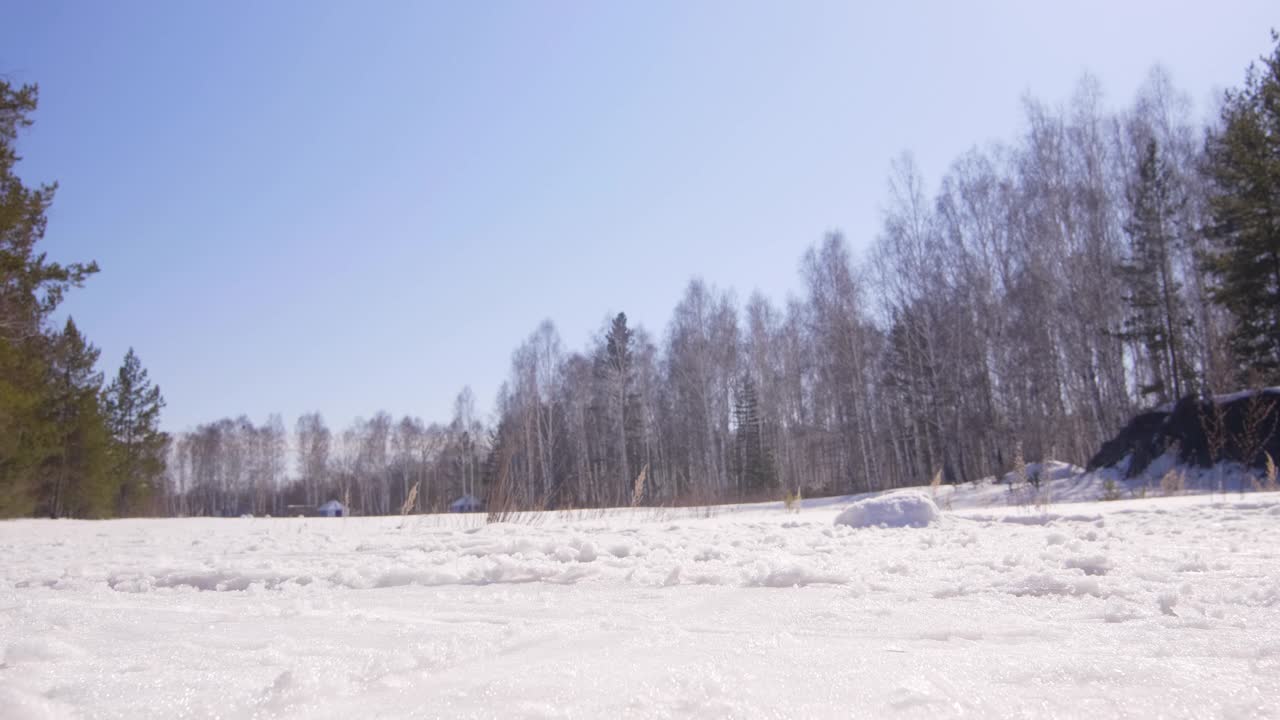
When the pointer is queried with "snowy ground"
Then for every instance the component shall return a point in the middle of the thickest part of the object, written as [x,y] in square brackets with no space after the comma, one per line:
[1135,608]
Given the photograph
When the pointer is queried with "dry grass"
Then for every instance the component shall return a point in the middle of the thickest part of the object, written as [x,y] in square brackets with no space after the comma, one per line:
[1269,480]
[791,501]
[410,500]
[1110,491]
[1174,482]
[1019,465]
[935,487]
[501,503]
[1024,488]
[637,491]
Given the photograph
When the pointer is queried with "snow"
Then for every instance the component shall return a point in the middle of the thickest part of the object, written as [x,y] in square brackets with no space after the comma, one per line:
[1163,606]
[1063,483]
[903,509]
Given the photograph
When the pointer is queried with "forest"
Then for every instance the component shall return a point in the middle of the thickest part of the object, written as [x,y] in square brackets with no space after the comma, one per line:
[1025,306]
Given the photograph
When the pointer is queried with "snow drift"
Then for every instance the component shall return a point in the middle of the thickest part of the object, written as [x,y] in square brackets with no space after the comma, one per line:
[901,509]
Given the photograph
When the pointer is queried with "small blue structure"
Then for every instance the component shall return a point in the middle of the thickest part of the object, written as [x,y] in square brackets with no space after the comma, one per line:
[333,508]
[466,503]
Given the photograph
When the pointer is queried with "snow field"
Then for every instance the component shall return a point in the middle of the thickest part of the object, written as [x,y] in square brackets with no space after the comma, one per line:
[1125,609]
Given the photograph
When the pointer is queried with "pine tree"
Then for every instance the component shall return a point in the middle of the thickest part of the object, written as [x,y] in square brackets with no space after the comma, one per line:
[132,407]
[31,288]
[618,370]
[78,481]
[754,460]
[27,433]
[1157,319]
[1243,167]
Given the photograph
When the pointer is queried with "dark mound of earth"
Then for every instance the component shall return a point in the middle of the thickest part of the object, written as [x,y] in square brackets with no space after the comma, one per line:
[1204,430]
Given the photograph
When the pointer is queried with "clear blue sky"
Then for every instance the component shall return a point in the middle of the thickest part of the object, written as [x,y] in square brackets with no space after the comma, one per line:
[354,206]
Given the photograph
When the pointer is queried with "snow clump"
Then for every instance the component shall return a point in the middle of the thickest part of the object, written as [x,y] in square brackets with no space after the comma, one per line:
[905,509]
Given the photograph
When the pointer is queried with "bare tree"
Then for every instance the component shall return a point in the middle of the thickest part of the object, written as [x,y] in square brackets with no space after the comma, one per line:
[313,445]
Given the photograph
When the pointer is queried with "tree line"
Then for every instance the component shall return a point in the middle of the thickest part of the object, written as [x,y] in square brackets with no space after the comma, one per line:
[1049,287]
[1102,261]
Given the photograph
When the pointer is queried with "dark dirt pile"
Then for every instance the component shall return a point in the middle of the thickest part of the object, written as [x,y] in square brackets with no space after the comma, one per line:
[1242,427]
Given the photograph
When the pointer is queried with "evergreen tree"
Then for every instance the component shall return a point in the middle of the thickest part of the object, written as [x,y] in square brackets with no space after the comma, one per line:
[618,370]
[31,288]
[77,477]
[132,407]
[1243,167]
[27,433]
[754,460]
[1157,319]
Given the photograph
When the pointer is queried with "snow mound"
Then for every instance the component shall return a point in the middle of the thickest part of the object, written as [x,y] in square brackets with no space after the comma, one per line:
[906,509]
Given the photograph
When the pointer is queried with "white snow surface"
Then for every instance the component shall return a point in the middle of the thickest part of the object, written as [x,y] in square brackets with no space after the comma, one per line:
[900,509]
[1138,608]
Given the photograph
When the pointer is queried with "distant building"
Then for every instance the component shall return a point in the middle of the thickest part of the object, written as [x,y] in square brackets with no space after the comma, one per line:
[466,503]
[333,508]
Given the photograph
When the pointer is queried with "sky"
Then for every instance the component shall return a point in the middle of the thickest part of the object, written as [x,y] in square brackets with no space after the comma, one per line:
[351,207]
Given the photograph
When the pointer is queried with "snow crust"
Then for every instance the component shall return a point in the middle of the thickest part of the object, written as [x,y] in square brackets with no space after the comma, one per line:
[1139,608]
[903,509]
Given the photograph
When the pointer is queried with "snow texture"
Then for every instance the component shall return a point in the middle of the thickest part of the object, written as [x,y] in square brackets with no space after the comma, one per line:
[1139,608]
[904,509]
